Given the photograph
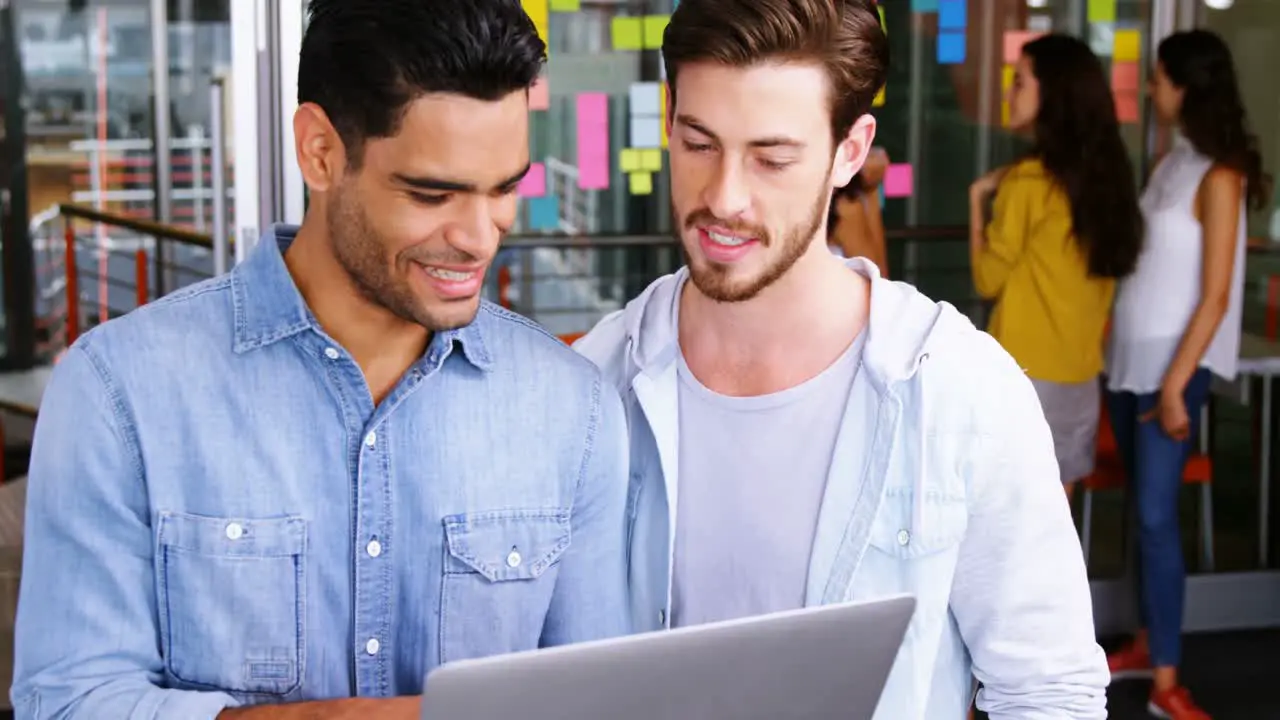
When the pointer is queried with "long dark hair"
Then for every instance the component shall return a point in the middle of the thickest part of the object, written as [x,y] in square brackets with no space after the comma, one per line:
[1077,138]
[1212,116]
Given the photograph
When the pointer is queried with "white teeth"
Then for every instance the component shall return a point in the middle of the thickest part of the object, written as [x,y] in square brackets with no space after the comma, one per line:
[729,240]
[450,275]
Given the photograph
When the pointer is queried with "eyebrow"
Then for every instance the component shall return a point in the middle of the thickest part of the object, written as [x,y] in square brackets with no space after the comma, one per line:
[764,142]
[425,182]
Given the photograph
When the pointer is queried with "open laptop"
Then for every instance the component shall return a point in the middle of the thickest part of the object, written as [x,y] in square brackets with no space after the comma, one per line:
[810,664]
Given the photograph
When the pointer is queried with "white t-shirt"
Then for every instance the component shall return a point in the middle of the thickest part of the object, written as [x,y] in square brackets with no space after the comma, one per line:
[752,474]
[1154,305]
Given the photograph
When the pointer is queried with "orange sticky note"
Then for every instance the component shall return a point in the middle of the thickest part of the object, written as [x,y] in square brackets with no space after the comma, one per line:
[1013,42]
[540,95]
[1124,77]
[1126,107]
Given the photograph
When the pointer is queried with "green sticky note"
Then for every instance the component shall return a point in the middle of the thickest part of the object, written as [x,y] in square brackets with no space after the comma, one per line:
[629,160]
[650,160]
[566,5]
[628,33]
[1102,11]
[654,27]
[641,183]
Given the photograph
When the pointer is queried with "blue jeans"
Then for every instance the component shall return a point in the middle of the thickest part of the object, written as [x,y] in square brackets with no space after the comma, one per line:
[1154,463]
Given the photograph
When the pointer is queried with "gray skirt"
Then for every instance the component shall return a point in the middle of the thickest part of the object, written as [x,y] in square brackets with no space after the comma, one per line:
[1072,410]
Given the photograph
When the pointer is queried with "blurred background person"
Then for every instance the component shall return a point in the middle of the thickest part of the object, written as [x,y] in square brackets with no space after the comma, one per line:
[855,227]
[1064,226]
[1176,323]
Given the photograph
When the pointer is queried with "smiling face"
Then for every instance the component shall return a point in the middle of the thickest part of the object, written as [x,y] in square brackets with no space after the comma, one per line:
[752,170]
[418,221]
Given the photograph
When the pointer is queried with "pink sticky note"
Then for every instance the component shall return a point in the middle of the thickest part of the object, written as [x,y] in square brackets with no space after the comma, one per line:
[534,183]
[898,180]
[1127,107]
[593,141]
[1013,42]
[1124,77]
[540,95]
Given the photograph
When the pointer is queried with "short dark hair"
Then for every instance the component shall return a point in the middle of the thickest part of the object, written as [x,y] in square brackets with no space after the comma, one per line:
[364,61]
[844,37]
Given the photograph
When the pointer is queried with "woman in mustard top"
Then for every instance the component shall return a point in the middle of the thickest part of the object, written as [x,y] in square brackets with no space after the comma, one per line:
[1064,226]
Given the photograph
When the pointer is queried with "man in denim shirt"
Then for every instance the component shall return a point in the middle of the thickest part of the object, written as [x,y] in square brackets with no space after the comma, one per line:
[303,485]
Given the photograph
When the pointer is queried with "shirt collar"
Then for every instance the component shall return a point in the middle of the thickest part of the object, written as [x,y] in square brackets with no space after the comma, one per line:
[268,307]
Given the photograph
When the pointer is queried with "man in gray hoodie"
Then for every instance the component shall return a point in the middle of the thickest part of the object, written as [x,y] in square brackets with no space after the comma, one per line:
[804,432]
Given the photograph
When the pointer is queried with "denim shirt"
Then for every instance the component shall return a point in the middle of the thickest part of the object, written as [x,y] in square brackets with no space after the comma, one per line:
[218,513]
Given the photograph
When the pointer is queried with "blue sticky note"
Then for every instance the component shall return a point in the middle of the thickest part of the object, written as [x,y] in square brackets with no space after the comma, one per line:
[646,132]
[951,14]
[921,6]
[544,213]
[951,47]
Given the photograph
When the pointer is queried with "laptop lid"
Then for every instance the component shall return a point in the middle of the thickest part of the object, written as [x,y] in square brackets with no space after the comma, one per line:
[810,664]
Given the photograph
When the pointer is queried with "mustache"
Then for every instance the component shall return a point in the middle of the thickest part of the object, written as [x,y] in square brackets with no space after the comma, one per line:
[704,216]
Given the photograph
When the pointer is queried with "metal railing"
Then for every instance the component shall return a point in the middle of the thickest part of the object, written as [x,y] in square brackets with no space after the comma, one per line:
[566,283]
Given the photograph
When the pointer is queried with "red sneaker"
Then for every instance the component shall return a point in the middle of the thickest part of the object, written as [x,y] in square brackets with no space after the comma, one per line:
[1175,704]
[1130,662]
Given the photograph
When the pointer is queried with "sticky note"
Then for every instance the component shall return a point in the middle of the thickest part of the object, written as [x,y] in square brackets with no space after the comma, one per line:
[1128,46]
[646,132]
[645,99]
[641,183]
[923,6]
[951,14]
[651,160]
[878,101]
[1006,77]
[880,10]
[1125,76]
[544,213]
[1004,113]
[540,95]
[537,11]
[566,5]
[1102,11]
[662,116]
[1013,42]
[1126,107]
[629,160]
[951,47]
[628,33]
[654,27]
[534,183]
[593,141]
[898,180]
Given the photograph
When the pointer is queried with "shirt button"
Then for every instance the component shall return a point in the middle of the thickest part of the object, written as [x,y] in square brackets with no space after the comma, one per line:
[513,558]
[904,537]
[371,439]
[331,353]
[374,548]
[234,531]
[372,646]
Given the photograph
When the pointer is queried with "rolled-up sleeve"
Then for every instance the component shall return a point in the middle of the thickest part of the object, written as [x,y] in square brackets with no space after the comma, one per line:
[1006,236]
[87,642]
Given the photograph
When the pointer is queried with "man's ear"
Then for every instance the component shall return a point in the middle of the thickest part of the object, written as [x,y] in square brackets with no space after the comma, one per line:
[321,154]
[851,153]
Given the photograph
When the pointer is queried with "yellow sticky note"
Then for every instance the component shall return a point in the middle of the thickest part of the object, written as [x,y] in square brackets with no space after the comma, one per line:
[629,160]
[1004,114]
[880,9]
[1006,77]
[662,110]
[1128,46]
[537,11]
[879,98]
[651,160]
[628,33]
[654,26]
[641,183]
[566,5]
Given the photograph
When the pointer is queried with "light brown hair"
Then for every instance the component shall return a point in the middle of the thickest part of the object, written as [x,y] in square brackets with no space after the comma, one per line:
[843,37]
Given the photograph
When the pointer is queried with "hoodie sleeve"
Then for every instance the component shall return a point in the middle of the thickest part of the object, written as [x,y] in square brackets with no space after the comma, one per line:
[1021,594]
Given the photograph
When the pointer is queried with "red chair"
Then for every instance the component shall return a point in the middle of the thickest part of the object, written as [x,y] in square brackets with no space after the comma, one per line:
[1108,474]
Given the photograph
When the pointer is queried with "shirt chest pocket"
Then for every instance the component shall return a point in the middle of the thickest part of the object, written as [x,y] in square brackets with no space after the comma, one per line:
[500,570]
[231,601]
[915,550]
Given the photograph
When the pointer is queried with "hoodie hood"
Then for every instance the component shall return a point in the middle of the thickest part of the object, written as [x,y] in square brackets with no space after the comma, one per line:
[903,328]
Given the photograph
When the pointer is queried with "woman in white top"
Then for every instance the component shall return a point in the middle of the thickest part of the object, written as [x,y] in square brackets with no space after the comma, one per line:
[1176,320]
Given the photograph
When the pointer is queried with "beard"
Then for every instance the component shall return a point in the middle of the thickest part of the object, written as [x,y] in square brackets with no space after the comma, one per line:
[717,282]
[361,251]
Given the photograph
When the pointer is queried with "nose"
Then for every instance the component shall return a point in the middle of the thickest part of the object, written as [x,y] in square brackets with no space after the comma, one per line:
[727,195]
[478,227]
